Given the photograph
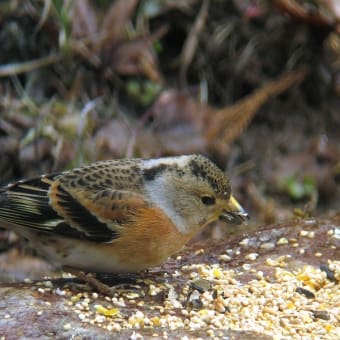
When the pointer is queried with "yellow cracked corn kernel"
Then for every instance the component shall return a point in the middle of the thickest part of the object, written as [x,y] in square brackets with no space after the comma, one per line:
[105,311]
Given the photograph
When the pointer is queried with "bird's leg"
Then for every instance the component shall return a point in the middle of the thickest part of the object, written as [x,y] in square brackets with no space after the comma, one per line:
[92,281]
[98,285]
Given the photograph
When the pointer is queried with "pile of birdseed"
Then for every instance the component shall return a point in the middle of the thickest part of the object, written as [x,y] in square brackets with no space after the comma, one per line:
[280,282]
[301,303]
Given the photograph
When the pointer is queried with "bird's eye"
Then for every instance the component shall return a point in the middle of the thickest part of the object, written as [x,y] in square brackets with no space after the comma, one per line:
[208,200]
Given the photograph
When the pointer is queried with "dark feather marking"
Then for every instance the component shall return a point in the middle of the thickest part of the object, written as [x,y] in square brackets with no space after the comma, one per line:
[81,182]
[90,226]
[199,171]
[109,182]
[106,193]
[150,174]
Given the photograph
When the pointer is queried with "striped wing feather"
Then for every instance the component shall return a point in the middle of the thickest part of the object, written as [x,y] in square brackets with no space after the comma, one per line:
[43,204]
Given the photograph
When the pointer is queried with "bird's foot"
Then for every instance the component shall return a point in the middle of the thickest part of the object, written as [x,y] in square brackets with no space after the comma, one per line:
[97,284]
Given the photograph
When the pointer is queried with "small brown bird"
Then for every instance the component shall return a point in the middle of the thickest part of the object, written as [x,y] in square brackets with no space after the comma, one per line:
[119,216]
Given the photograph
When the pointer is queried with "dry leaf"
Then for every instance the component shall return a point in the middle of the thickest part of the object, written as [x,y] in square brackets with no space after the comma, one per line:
[225,125]
[115,22]
[175,107]
[136,57]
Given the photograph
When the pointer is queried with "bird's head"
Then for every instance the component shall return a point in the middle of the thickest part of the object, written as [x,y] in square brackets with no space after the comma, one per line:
[192,191]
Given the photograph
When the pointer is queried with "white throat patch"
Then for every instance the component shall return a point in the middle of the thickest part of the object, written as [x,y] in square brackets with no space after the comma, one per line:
[159,195]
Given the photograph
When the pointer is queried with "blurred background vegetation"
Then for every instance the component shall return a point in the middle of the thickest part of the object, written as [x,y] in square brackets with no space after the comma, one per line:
[254,85]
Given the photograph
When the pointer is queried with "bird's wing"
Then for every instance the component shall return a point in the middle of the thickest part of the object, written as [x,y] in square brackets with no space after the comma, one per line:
[44,204]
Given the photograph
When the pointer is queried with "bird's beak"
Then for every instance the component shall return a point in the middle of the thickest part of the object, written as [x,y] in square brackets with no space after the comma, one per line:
[234,213]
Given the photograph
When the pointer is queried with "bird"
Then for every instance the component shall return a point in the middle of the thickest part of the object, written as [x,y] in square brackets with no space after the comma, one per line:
[121,215]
